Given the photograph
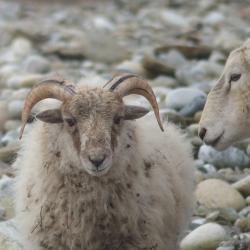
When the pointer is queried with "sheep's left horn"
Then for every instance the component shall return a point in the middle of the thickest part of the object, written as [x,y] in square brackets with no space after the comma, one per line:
[131,84]
[46,89]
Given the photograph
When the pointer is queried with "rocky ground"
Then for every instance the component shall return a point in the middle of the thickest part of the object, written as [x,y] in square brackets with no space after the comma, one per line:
[180,46]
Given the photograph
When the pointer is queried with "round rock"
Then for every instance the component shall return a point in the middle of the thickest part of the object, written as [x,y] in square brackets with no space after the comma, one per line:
[179,98]
[230,157]
[205,237]
[214,193]
[243,185]
[36,64]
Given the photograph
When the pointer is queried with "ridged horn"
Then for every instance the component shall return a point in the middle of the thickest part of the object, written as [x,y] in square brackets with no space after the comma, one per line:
[127,84]
[46,89]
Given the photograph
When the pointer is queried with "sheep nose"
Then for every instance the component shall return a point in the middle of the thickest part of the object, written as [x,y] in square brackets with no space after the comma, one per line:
[202,133]
[97,161]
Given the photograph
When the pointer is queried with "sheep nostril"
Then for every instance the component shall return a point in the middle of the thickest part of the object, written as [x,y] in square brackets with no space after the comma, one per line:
[97,161]
[202,133]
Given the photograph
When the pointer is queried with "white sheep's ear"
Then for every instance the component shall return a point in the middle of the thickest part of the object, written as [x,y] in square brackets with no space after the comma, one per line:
[50,116]
[134,112]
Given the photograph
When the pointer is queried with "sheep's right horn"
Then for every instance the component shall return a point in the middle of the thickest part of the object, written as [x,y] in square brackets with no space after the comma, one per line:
[43,90]
[131,84]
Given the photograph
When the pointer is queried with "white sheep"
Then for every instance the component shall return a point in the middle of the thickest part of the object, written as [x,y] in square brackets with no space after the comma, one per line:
[91,179]
[226,116]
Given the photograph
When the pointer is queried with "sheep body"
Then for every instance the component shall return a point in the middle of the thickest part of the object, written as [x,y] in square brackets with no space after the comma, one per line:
[143,202]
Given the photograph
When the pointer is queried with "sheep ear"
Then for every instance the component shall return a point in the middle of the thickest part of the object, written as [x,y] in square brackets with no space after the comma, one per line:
[134,112]
[50,116]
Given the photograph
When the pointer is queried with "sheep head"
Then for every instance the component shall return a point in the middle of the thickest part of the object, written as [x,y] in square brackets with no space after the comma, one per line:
[226,116]
[93,117]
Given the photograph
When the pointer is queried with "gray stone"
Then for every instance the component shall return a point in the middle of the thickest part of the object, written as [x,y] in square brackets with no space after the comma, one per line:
[225,216]
[248,200]
[11,137]
[130,67]
[225,248]
[230,157]
[198,72]
[10,238]
[205,237]
[24,81]
[3,114]
[36,64]
[197,222]
[164,81]
[181,97]
[12,125]
[194,106]
[8,153]
[20,94]
[214,18]
[173,58]
[174,19]
[245,211]
[15,109]
[207,168]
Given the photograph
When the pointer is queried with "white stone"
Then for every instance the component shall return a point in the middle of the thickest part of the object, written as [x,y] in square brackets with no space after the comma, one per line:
[205,237]
[215,193]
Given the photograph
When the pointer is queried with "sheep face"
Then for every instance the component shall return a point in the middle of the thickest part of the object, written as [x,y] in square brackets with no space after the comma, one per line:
[225,118]
[94,120]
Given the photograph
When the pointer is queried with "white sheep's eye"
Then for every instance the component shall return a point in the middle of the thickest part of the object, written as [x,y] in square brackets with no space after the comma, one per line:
[70,121]
[234,77]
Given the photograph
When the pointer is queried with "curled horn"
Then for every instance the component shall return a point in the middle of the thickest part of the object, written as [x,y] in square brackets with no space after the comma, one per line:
[131,84]
[46,89]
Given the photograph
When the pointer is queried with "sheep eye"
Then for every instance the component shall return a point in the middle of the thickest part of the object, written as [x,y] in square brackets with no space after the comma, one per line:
[234,77]
[70,121]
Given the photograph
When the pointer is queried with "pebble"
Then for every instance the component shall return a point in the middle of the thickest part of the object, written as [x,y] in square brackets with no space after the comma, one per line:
[243,224]
[179,98]
[195,72]
[15,109]
[36,64]
[173,58]
[214,193]
[3,114]
[8,153]
[197,104]
[230,157]
[164,81]
[11,137]
[225,216]
[248,200]
[21,47]
[172,18]
[205,237]
[24,81]
[243,185]
[131,67]
[10,238]
[12,125]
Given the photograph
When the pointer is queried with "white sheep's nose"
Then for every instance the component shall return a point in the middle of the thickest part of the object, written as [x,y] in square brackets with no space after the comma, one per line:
[97,161]
[202,133]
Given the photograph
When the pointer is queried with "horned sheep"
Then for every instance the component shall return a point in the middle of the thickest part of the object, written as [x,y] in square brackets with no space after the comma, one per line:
[91,178]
